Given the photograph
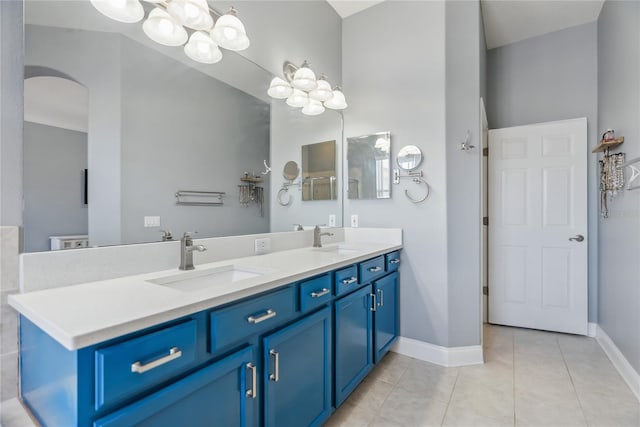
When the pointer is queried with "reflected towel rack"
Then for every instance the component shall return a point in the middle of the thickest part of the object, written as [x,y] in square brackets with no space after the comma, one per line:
[199,198]
[634,165]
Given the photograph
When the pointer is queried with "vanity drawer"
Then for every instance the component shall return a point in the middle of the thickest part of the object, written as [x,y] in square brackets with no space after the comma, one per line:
[347,280]
[315,292]
[371,269]
[127,368]
[392,260]
[256,315]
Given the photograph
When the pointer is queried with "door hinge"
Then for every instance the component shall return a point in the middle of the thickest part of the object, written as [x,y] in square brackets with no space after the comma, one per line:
[485,220]
[485,290]
[485,151]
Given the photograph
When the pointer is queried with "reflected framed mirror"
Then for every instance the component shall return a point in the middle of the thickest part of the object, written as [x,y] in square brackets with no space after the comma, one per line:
[369,159]
[319,171]
[409,157]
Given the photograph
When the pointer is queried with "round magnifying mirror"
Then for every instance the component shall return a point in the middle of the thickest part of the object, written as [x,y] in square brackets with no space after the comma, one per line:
[290,171]
[409,157]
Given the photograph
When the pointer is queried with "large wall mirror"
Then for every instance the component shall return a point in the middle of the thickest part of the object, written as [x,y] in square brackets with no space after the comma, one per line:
[116,124]
[368,158]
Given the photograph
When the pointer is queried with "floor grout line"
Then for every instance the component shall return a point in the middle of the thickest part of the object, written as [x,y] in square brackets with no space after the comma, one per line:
[453,389]
[575,390]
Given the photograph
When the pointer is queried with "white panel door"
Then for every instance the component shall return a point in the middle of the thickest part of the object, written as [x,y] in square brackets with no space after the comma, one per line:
[537,211]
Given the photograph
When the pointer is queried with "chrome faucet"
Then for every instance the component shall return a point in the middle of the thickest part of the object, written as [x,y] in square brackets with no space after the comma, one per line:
[317,236]
[186,251]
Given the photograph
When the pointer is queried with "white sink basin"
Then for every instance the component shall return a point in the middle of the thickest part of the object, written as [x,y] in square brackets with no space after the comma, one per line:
[338,249]
[196,280]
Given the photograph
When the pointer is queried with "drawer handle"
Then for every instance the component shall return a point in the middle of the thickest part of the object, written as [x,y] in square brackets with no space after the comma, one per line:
[394,261]
[276,366]
[381,293]
[253,391]
[374,269]
[268,315]
[174,353]
[322,293]
[350,280]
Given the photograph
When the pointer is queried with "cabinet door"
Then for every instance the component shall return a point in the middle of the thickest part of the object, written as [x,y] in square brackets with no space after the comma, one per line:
[297,377]
[386,314]
[353,338]
[222,394]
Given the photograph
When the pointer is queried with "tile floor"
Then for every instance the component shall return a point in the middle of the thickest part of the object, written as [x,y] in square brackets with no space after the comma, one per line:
[530,378]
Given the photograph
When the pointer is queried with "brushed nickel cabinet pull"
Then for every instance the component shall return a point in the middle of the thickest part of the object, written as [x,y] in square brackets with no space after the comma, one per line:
[253,391]
[322,293]
[268,315]
[350,280]
[374,269]
[276,366]
[138,367]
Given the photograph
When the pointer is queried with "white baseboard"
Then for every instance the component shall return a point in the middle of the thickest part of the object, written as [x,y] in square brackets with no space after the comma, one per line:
[592,330]
[443,356]
[630,376]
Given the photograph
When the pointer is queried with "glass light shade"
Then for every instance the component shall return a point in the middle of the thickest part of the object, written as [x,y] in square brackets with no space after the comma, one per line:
[229,33]
[304,78]
[337,102]
[128,11]
[191,13]
[279,88]
[164,29]
[298,99]
[313,108]
[322,92]
[202,49]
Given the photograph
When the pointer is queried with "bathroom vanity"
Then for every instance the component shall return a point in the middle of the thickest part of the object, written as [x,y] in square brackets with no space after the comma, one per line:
[275,340]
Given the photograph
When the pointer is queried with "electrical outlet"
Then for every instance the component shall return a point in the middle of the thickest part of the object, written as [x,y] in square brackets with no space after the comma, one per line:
[332,220]
[354,220]
[152,221]
[262,246]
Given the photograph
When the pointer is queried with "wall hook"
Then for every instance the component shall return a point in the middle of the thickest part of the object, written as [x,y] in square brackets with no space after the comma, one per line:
[267,169]
[466,146]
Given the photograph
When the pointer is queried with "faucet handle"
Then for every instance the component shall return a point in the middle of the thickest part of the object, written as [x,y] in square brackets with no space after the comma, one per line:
[189,233]
[298,227]
[166,235]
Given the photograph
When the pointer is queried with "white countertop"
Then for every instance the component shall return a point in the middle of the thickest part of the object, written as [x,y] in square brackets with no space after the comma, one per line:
[82,315]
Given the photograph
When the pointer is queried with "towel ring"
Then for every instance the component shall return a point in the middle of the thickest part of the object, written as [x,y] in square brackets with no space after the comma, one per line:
[418,180]
[280,193]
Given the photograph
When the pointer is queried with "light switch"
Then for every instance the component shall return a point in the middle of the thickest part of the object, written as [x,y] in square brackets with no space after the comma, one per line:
[354,220]
[152,221]
[332,220]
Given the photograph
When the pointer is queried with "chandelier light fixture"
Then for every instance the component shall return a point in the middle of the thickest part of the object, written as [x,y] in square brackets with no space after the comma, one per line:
[168,22]
[302,89]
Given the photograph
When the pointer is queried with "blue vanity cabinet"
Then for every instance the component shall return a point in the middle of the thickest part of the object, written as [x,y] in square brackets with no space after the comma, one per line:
[353,341]
[221,394]
[385,314]
[298,372]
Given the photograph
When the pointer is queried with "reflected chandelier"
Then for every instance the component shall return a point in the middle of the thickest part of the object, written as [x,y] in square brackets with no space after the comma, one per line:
[301,89]
[166,24]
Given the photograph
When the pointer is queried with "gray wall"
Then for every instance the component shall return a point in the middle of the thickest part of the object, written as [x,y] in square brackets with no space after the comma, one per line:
[619,109]
[101,76]
[11,112]
[463,80]
[547,78]
[395,81]
[183,130]
[54,161]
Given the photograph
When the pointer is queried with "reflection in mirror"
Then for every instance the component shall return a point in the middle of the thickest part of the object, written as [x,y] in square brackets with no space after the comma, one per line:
[155,123]
[409,157]
[290,171]
[369,161]
[319,171]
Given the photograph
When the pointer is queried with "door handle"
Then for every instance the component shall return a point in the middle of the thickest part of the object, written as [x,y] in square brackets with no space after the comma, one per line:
[253,391]
[138,367]
[578,238]
[276,366]
[381,301]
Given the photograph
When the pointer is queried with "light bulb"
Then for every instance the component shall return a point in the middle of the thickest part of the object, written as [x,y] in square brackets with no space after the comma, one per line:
[191,13]
[323,91]
[297,99]
[313,108]
[202,49]
[162,28]
[279,88]
[229,32]
[304,78]
[337,101]
[128,11]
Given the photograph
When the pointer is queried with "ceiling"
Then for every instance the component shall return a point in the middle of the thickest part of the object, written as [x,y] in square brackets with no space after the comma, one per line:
[509,21]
